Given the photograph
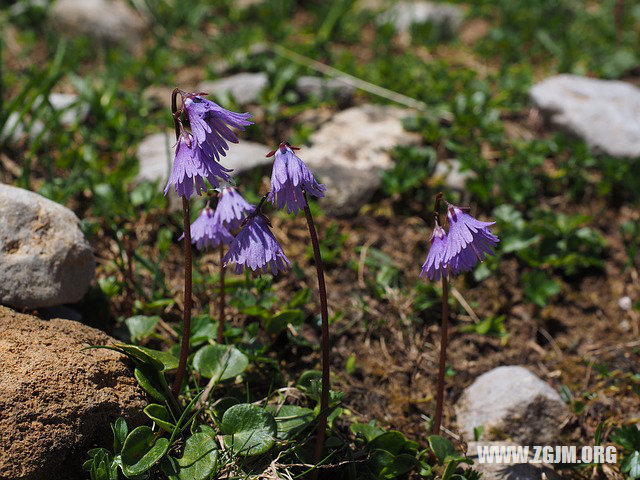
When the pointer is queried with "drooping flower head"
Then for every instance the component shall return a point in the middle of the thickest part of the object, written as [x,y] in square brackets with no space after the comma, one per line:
[434,266]
[468,242]
[232,208]
[256,248]
[206,232]
[192,166]
[210,124]
[290,177]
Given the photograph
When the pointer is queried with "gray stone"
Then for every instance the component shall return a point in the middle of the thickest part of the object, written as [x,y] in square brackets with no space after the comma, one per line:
[452,175]
[45,259]
[444,16]
[104,20]
[509,471]
[156,152]
[604,113]
[325,88]
[349,152]
[511,403]
[245,88]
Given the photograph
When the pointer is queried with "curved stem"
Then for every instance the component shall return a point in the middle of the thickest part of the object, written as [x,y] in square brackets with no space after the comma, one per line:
[186,316]
[324,397]
[443,357]
[221,319]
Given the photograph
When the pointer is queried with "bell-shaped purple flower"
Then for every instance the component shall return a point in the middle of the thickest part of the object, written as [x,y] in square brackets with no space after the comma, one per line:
[206,232]
[232,208]
[468,242]
[256,248]
[191,166]
[210,125]
[290,177]
[434,266]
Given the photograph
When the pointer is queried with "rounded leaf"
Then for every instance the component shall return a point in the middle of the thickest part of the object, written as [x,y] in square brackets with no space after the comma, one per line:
[220,362]
[199,459]
[141,451]
[249,429]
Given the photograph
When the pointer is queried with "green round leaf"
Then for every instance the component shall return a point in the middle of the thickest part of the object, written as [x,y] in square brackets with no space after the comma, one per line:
[220,362]
[249,429]
[141,451]
[199,459]
[307,377]
[392,442]
[141,326]
[290,418]
[442,447]
[161,416]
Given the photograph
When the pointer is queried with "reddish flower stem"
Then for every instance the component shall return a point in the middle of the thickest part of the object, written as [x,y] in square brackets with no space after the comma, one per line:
[324,397]
[186,315]
[443,357]
[186,222]
[221,319]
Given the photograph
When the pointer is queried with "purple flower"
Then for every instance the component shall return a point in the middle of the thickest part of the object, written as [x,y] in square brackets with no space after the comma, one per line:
[468,241]
[290,177]
[190,166]
[434,266]
[206,232]
[232,208]
[256,248]
[210,125]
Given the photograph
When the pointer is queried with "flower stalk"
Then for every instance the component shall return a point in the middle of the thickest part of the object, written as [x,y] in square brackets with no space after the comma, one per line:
[186,314]
[324,397]
[443,356]
[222,294]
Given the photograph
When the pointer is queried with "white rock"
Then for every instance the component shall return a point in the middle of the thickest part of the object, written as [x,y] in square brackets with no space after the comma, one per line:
[604,113]
[350,151]
[103,20]
[325,88]
[452,174]
[45,259]
[625,303]
[511,403]
[244,87]
[445,16]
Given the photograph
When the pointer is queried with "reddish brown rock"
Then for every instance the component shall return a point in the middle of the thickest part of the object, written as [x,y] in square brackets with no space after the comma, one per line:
[56,400]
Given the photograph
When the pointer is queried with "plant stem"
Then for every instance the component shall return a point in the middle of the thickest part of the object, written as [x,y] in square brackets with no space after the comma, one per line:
[186,316]
[443,356]
[222,272]
[324,397]
[186,222]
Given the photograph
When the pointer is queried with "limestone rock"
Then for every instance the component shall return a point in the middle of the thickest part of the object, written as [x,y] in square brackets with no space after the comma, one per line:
[446,17]
[45,259]
[604,113]
[109,21]
[326,88]
[245,88]
[349,152]
[511,403]
[56,400]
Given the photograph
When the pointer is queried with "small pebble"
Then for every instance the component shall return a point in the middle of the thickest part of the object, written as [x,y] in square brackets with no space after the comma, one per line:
[625,303]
